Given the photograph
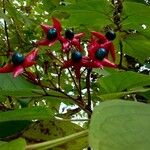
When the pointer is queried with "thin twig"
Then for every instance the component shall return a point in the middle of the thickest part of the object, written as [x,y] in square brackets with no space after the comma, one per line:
[88,85]
[74,81]
[121,53]
[6,31]
[80,89]
[80,103]
[39,82]
[52,55]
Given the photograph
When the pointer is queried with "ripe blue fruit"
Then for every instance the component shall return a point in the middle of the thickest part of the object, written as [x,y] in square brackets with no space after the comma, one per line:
[101,53]
[52,34]
[76,56]
[110,35]
[69,34]
[17,58]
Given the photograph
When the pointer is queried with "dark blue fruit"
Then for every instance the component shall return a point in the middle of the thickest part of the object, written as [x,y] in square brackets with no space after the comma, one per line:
[101,53]
[69,34]
[76,56]
[17,58]
[52,34]
[110,35]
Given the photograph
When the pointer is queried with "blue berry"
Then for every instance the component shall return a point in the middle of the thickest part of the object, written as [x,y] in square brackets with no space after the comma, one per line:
[110,35]
[69,34]
[52,34]
[76,56]
[17,58]
[101,53]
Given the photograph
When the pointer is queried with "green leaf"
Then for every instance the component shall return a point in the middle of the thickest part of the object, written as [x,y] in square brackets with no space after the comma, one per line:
[26,114]
[12,11]
[18,144]
[123,81]
[2,142]
[50,5]
[13,83]
[120,125]
[136,14]
[10,128]
[92,13]
[137,46]
[111,96]
[53,129]
[146,95]
[10,86]
[19,87]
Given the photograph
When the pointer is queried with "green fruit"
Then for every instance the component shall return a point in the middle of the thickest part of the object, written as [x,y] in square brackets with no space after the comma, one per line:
[76,56]
[110,35]
[17,58]
[69,34]
[101,53]
[52,34]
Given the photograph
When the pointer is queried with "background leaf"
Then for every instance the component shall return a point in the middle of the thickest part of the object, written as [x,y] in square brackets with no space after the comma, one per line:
[121,81]
[53,129]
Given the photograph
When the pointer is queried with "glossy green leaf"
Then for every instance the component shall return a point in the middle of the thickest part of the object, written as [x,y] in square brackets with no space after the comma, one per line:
[12,128]
[18,144]
[26,114]
[120,125]
[123,81]
[53,129]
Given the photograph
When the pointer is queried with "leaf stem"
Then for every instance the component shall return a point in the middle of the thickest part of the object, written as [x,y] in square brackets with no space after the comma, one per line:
[39,81]
[57,142]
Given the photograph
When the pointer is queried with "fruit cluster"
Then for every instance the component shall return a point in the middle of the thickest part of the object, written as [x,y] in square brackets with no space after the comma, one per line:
[98,48]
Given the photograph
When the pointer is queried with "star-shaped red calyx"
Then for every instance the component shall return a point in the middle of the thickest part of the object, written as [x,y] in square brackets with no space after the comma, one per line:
[19,63]
[71,39]
[52,33]
[101,42]
[78,61]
